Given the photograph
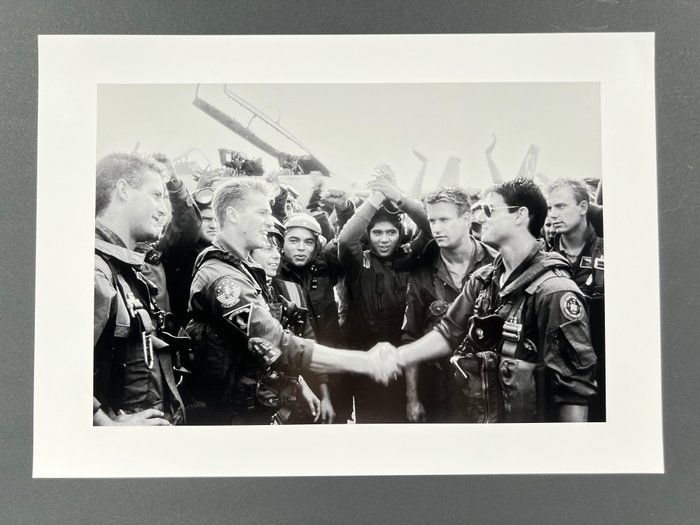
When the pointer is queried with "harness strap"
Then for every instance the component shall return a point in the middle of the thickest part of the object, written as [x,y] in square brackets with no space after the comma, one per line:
[513,326]
[439,288]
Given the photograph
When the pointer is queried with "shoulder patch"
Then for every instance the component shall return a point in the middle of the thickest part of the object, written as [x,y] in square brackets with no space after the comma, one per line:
[227,292]
[571,307]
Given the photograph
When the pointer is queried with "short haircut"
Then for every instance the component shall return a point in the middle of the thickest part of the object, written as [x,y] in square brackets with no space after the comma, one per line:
[234,192]
[578,188]
[450,195]
[116,166]
[524,192]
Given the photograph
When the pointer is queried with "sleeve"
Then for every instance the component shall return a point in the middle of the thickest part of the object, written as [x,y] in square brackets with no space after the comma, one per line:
[325,223]
[414,322]
[105,299]
[278,206]
[453,325]
[330,256]
[416,212]
[218,292]
[182,232]
[350,238]
[568,353]
[343,216]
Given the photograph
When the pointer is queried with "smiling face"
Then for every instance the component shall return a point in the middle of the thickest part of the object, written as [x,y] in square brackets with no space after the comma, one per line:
[299,246]
[565,213]
[254,221]
[269,258]
[145,208]
[384,238]
[449,229]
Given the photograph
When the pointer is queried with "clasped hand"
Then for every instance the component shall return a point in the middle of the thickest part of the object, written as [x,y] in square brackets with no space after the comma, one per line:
[385,363]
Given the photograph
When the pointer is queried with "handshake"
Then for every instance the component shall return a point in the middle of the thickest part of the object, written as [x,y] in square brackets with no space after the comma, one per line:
[385,363]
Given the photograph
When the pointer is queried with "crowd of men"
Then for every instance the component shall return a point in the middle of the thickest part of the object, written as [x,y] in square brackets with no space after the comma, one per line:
[238,304]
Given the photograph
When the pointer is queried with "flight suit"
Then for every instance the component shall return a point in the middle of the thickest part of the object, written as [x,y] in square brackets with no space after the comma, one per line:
[376,293]
[133,368]
[430,293]
[588,271]
[227,372]
[543,334]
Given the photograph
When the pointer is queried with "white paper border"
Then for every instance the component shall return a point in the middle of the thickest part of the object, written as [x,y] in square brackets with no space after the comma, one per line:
[70,67]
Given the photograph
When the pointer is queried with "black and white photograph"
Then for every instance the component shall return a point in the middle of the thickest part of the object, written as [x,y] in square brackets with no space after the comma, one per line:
[365,247]
[351,250]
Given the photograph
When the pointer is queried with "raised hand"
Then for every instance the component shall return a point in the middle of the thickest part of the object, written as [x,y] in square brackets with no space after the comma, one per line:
[386,188]
[384,171]
[336,198]
[208,178]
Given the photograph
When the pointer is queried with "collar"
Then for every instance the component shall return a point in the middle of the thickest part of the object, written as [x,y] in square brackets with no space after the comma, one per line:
[108,243]
[229,255]
[514,279]
[589,238]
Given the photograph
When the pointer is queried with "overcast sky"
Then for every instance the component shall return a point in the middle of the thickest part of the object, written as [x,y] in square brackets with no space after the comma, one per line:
[353,127]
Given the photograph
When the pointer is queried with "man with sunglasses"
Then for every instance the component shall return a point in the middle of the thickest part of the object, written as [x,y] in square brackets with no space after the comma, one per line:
[519,326]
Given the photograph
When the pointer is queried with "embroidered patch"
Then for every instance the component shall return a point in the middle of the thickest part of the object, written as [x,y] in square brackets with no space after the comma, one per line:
[586,262]
[571,307]
[599,264]
[227,292]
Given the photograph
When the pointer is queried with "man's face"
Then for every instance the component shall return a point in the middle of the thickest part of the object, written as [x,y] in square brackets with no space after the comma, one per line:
[449,229]
[269,258]
[254,220]
[384,238]
[498,228]
[208,229]
[565,212]
[299,246]
[145,207]
[549,230]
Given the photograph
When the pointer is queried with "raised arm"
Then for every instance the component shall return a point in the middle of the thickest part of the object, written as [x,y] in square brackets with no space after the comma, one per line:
[350,238]
[182,232]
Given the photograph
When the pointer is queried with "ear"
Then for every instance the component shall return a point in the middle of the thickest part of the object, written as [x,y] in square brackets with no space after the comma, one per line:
[232,214]
[523,213]
[122,190]
[583,206]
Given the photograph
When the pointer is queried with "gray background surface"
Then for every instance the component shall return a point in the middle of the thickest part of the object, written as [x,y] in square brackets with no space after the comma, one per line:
[669,498]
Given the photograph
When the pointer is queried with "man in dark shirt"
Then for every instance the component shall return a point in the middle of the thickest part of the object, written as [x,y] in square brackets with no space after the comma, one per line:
[133,373]
[445,266]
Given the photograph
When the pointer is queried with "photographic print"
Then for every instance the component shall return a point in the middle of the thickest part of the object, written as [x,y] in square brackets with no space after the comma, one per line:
[365,255]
